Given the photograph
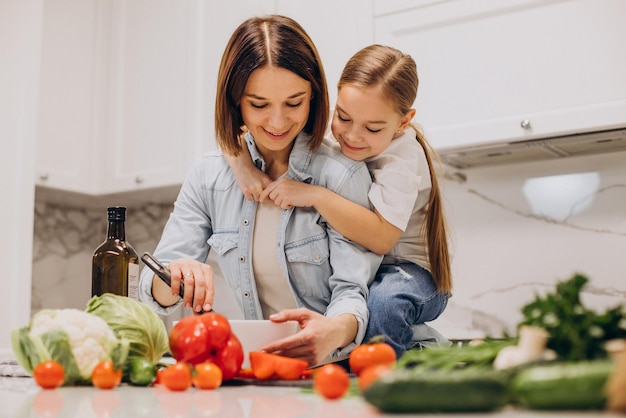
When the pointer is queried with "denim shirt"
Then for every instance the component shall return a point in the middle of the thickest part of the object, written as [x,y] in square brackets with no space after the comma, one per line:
[327,272]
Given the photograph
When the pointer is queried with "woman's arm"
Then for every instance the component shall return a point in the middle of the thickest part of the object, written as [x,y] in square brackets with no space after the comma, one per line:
[350,219]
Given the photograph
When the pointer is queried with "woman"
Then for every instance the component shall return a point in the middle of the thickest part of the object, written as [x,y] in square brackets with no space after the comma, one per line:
[281,265]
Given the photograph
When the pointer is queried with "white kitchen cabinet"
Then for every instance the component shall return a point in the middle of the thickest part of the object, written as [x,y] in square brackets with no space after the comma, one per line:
[128,87]
[496,71]
[120,104]
[20,39]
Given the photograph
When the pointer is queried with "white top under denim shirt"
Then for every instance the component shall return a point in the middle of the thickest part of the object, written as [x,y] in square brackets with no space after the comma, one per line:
[328,273]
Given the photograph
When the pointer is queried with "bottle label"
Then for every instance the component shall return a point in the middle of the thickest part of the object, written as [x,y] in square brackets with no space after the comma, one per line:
[133,281]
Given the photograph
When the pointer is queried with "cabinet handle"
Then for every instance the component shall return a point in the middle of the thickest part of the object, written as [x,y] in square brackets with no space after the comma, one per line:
[525,124]
[138,180]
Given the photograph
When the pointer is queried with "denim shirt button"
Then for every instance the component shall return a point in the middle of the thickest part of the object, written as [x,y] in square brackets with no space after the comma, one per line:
[242,259]
[317,257]
[246,295]
[246,222]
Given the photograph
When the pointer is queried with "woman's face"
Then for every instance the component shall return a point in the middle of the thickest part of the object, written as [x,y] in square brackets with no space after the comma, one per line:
[364,122]
[275,107]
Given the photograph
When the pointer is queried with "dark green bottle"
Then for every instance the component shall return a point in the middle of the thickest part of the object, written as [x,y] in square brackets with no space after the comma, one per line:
[115,265]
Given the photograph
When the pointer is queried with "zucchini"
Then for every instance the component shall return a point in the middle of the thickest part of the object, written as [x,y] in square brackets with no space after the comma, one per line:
[464,390]
[573,386]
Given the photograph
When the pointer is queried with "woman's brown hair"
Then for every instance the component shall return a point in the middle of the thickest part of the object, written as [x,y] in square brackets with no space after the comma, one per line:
[395,74]
[259,41]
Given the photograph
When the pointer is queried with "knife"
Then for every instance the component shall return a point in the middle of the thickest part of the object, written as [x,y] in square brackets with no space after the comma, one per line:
[161,271]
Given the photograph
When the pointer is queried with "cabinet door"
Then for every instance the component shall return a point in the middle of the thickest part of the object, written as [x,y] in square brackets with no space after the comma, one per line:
[67,101]
[152,94]
[119,106]
[487,66]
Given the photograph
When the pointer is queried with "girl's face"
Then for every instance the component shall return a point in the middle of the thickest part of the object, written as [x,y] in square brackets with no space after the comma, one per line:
[275,108]
[365,122]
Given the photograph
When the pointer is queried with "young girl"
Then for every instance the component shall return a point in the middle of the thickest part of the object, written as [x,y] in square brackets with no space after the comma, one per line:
[372,123]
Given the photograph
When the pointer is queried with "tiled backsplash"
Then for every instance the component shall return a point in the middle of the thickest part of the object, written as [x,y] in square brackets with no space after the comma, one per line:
[516,230]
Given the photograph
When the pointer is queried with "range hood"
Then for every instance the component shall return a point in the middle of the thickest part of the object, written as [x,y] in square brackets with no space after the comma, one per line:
[570,145]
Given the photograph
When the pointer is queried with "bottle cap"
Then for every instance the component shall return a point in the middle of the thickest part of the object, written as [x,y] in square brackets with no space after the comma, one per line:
[117,213]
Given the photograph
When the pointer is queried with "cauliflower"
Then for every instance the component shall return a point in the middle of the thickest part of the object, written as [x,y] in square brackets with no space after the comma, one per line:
[76,339]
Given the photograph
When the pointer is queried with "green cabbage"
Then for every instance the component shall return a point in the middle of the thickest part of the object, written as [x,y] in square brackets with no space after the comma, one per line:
[72,337]
[134,321]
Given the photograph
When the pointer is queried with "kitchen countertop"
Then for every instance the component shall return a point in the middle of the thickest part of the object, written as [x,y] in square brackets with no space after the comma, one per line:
[21,397]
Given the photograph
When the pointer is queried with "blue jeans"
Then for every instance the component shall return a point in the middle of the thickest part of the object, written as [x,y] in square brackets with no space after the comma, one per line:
[401,296]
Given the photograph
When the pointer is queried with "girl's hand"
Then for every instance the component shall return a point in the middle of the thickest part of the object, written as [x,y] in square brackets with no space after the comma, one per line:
[251,181]
[288,193]
[249,178]
[319,335]
[198,280]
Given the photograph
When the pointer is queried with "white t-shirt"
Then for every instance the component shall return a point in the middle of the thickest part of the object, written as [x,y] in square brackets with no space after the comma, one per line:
[400,192]
[273,288]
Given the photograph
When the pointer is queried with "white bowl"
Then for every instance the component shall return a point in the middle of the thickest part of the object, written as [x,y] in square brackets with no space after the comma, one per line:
[256,334]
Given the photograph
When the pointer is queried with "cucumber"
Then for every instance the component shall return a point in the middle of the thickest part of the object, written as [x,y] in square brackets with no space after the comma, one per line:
[573,386]
[414,391]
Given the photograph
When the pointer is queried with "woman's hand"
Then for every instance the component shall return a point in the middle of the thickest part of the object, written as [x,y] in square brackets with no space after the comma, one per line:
[198,280]
[319,335]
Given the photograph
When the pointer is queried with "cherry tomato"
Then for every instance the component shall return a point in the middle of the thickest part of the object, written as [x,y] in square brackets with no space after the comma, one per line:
[105,375]
[207,375]
[176,376]
[331,381]
[371,374]
[371,354]
[49,374]
[159,373]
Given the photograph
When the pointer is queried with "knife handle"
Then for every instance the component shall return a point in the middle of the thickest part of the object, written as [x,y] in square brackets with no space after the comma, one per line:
[161,271]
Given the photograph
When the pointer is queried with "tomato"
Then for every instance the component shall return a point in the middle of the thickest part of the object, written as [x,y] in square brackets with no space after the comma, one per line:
[105,375]
[229,358]
[189,340]
[207,337]
[218,329]
[49,374]
[371,354]
[207,375]
[159,373]
[176,376]
[331,381]
[371,374]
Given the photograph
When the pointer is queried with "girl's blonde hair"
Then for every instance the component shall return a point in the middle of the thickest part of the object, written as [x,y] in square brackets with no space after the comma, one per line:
[395,74]
[259,41]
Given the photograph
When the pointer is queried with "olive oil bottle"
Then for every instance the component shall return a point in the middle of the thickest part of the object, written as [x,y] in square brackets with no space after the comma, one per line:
[115,265]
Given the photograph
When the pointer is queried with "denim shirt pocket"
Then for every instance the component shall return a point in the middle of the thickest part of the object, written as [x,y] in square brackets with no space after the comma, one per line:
[223,242]
[309,266]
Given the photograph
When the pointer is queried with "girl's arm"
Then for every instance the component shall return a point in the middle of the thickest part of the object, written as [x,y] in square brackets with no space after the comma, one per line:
[350,219]
[250,179]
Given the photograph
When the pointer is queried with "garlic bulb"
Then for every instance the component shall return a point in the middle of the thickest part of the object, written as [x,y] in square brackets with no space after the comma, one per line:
[530,347]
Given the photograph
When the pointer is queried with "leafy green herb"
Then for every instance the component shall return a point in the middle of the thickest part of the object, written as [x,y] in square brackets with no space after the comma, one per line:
[576,332]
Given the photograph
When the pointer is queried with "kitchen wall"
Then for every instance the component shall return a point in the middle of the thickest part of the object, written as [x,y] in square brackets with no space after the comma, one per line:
[515,229]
